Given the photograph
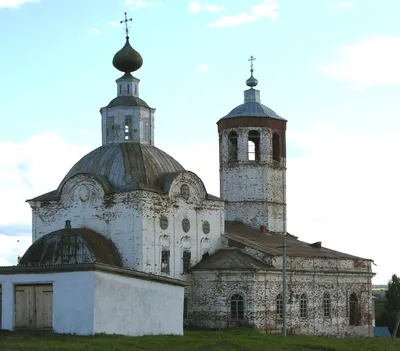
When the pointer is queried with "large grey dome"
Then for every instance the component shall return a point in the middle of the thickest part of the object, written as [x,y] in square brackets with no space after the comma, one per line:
[252,109]
[127,166]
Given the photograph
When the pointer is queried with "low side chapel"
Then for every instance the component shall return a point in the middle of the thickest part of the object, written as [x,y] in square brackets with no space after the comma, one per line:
[129,206]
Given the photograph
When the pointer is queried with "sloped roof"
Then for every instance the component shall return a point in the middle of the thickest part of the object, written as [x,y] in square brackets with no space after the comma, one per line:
[230,259]
[269,242]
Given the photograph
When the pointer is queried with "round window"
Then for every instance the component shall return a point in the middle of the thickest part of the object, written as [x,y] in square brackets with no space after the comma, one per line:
[206,227]
[163,222]
[185,225]
[185,191]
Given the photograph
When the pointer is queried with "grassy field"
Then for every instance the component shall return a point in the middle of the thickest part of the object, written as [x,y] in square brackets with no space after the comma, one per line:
[239,339]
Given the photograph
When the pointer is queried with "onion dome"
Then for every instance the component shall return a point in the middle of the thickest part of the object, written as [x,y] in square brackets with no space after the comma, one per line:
[251,82]
[127,59]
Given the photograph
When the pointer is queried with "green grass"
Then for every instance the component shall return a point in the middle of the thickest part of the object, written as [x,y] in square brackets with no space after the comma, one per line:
[237,339]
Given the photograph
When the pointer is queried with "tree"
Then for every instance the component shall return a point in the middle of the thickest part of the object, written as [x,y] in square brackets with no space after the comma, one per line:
[393,301]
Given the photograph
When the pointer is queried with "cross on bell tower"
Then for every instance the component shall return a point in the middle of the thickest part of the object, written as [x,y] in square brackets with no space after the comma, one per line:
[251,59]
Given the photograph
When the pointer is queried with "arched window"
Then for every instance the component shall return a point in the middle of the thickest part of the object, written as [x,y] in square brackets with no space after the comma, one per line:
[232,146]
[253,146]
[237,307]
[279,306]
[276,152]
[353,318]
[327,305]
[303,306]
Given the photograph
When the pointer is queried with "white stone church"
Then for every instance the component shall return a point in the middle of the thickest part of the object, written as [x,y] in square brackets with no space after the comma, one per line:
[131,243]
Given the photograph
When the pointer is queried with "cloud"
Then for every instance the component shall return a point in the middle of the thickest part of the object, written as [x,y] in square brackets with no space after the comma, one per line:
[27,170]
[114,24]
[337,196]
[15,3]
[196,6]
[267,9]
[136,4]
[94,31]
[203,68]
[371,62]
[345,4]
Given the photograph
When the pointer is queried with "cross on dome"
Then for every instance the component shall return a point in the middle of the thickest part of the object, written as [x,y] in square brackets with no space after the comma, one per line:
[126,20]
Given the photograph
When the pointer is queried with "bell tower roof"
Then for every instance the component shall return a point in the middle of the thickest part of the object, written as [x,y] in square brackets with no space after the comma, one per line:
[252,106]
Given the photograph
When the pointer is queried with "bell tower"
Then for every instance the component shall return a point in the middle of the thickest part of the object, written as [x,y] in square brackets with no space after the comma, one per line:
[252,150]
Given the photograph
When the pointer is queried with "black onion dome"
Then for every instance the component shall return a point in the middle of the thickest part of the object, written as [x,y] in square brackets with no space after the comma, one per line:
[127,59]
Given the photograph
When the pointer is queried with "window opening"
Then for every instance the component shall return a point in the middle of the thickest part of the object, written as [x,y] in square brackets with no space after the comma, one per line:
[303,306]
[185,308]
[327,305]
[127,130]
[120,89]
[279,306]
[232,146]
[128,87]
[353,309]
[253,145]
[276,153]
[186,261]
[237,307]
[165,254]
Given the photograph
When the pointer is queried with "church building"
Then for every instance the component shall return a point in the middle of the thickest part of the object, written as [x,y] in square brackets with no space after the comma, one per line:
[132,243]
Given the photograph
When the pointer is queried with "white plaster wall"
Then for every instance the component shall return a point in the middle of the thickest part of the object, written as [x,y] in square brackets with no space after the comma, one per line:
[134,307]
[115,216]
[197,210]
[119,113]
[73,300]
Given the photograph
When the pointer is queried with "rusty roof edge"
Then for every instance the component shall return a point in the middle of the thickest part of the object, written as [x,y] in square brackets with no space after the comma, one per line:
[264,250]
[101,267]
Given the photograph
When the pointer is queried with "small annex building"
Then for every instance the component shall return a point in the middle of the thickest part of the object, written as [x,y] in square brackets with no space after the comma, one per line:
[72,280]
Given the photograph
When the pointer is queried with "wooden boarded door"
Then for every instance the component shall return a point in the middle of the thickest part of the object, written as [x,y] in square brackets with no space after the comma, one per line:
[34,307]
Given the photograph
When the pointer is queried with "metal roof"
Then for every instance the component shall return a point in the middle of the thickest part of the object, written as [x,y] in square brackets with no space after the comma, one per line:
[269,242]
[252,109]
[127,166]
[71,246]
[230,259]
[127,101]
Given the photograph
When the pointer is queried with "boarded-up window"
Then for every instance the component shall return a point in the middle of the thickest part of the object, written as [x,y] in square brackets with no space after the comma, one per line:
[110,129]
[185,308]
[233,146]
[276,147]
[186,261]
[34,307]
[165,261]
[146,129]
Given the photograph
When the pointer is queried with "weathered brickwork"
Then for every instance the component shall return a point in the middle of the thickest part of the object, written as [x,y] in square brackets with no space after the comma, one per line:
[131,220]
[211,293]
[254,190]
